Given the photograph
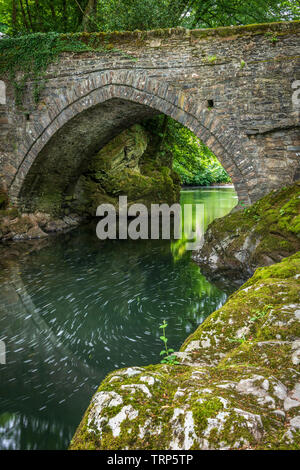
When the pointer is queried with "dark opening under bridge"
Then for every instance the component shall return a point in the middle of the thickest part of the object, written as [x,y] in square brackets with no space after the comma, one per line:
[236,88]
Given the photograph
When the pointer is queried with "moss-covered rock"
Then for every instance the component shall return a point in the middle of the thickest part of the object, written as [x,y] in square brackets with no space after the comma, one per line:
[120,168]
[260,235]
[237,386]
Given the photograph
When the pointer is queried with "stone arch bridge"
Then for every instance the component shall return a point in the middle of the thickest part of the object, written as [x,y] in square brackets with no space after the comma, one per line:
[234,87]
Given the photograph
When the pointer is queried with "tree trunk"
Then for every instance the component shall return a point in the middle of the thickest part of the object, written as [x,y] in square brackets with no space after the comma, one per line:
[53,13]
[65,18]
[37,17]
[24,16]
[29,16]
[14,16]
[89,17]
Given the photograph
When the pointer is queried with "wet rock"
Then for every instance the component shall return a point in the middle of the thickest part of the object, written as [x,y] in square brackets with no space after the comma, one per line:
[35,232]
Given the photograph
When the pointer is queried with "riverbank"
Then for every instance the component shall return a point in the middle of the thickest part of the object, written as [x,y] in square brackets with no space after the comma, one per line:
[15,226]
[211,186]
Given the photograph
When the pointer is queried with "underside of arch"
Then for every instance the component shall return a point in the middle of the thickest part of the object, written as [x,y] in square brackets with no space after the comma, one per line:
[66,156]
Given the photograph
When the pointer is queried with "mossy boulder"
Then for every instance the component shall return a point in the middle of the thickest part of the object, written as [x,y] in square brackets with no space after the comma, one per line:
[119,169]
[237,386]
[259,235]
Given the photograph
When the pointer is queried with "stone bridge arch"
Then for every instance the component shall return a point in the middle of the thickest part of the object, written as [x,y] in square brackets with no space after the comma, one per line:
[232,87]
[146,97]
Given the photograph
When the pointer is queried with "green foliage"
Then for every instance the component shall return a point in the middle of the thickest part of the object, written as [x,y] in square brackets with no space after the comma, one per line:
[149,14]
[214,13]
[167,352]
[129,15]
[192,160]
[27,57]
[31,16]
[211,58]
[272,37]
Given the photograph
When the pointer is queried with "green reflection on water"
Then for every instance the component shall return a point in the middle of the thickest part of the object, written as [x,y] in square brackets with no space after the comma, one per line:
[214,202]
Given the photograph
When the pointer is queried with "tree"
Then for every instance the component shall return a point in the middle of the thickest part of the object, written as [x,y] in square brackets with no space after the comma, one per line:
[89,16]
[149,14]
[30,16]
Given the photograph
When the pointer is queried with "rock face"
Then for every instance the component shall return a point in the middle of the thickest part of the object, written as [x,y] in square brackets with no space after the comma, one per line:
[123,168]
[263,234]
[237,387]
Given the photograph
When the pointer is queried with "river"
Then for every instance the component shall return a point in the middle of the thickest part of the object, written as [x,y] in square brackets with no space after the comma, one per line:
[79,308]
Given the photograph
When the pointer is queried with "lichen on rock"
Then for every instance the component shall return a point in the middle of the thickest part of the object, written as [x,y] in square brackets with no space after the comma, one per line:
[237,387]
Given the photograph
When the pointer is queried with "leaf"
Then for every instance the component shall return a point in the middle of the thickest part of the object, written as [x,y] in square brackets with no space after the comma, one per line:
[163,338]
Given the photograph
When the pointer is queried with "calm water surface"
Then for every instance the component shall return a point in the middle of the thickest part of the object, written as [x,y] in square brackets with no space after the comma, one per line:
[79,308]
